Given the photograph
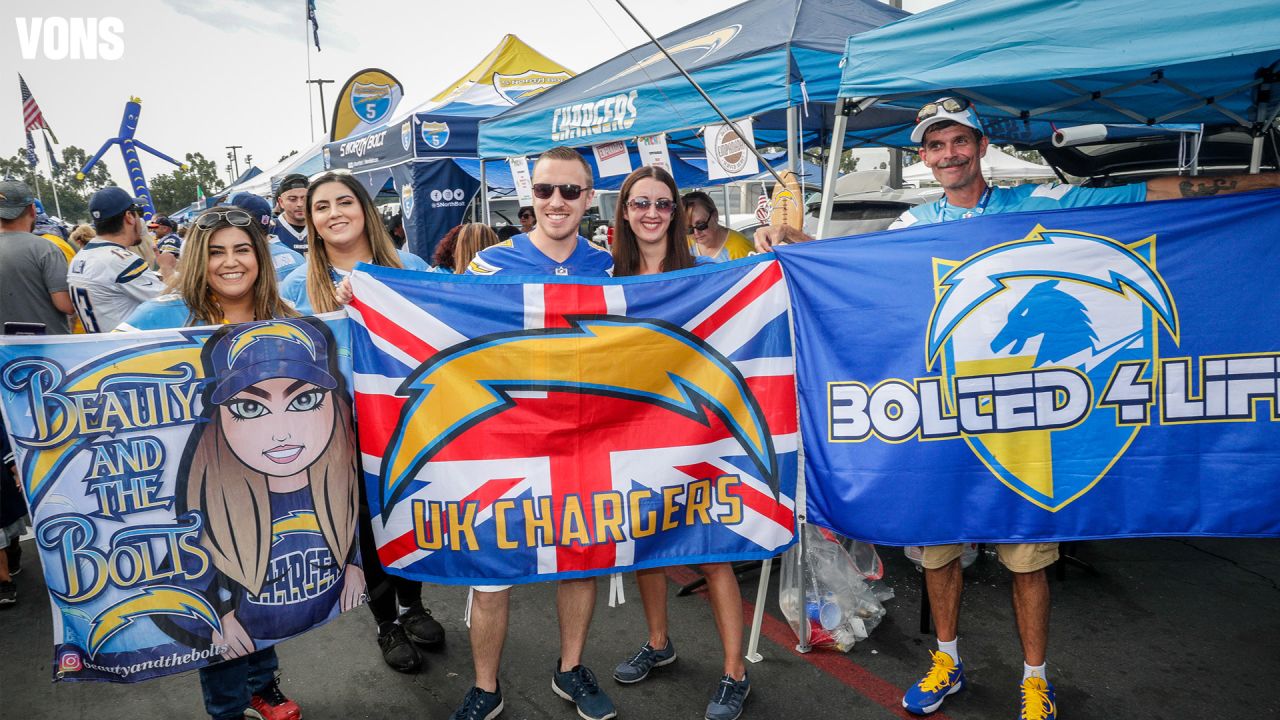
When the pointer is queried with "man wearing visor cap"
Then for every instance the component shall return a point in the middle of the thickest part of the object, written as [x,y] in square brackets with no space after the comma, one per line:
[952,144]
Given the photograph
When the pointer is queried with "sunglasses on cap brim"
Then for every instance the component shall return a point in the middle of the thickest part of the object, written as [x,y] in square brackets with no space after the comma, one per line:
[950,105]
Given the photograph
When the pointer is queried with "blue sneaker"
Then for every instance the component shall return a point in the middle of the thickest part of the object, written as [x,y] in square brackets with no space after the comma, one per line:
[1038,700]
[726,704]
[645,659]
[479,705]
[944,678]
[578,685]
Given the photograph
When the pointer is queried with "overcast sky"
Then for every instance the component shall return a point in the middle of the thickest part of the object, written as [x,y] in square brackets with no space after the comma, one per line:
[232,72]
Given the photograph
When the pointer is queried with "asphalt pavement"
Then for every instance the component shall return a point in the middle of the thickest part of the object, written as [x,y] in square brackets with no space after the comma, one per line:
[1164,629]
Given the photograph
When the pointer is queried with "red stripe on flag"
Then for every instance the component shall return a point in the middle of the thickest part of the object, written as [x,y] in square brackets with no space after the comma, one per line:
[749,294]
[380,325]
[561,300]
[751,497]
[777,397]
[378,415]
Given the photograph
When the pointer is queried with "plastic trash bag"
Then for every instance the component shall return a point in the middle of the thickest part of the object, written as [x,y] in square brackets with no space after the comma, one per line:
[824,596]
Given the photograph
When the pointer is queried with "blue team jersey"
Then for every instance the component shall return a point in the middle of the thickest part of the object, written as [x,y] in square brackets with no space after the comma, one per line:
[171,243]
[295,240]
[294,287]
[163,313]
[284,259]
[1023,198]
[303,574]
[519,256]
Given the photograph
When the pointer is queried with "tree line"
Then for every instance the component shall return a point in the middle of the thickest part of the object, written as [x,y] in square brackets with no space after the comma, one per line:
[170,192]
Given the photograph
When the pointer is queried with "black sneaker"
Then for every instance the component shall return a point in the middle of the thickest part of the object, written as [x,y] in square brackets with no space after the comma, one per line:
[8,592]
[421,627]
[479,705]
[397,651]
[578,685]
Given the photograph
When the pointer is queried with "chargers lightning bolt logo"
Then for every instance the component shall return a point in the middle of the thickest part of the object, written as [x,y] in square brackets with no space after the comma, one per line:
[156,600]
[1055,299]
[472,381]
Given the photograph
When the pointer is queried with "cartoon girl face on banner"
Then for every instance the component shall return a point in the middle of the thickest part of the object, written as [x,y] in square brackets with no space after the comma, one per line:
[273,472]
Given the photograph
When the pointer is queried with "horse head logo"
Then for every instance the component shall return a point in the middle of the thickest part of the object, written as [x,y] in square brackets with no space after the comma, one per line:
[1056,298]
[1057,317]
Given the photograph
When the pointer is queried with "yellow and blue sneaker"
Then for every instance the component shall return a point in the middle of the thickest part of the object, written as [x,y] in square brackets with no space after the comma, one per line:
[944,678]
[1038,700]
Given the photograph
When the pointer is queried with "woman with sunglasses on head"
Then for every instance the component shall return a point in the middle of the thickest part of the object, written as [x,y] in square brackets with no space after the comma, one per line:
[707,237]
[648,239]
[224,276]
[218,279]
[343,228]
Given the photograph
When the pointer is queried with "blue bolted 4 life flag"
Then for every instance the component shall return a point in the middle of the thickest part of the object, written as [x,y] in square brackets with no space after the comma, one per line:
[193,492]
[1090,373]
[524,429]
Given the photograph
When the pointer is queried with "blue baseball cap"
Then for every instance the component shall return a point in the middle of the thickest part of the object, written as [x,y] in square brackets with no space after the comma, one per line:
[112,201]
[263,350]
[256,206]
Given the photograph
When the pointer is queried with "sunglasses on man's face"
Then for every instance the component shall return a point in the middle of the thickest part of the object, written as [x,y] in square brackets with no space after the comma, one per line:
[951,105]
[570,192]
[526,216]
[236,218]
[664,206]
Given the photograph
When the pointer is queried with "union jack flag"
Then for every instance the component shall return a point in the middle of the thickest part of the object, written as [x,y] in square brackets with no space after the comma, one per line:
[657,478]
[32,118]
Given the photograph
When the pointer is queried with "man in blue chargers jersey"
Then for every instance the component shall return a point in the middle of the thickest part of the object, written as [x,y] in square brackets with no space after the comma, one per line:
[561,195]
[952,144]
[562,191]
[291,226]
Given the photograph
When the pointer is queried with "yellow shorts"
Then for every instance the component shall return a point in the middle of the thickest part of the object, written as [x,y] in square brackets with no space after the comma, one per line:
[1018,557]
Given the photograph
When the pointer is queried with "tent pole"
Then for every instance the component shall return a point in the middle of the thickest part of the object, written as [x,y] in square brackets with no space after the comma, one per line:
[760,158]
[1255,155]
[484,194]
[833,165]
[793,138]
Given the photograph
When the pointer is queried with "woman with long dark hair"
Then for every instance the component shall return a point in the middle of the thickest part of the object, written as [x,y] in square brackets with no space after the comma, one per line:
[649,239]
[343,228]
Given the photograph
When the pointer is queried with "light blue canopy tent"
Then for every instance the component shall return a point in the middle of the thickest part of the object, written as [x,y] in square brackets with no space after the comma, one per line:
[1076,62]
[776,61]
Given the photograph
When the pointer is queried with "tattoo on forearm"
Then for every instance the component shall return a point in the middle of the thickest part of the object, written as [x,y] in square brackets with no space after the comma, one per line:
[1204,188]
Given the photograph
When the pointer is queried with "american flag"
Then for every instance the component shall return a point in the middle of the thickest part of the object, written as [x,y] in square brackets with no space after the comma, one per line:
[551,444]
[32,118]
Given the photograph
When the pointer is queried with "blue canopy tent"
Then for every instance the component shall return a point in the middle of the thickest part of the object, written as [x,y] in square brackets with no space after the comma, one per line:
[1087,61]
[776,61]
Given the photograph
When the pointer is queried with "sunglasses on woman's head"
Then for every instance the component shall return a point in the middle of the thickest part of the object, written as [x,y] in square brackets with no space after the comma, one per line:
[236,218]
[543,191]
[664,205]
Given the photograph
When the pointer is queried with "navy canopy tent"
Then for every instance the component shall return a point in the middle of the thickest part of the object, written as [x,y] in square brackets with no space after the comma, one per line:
[757,59]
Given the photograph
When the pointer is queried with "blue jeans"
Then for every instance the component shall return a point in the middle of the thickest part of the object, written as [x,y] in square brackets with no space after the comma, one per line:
[229,685]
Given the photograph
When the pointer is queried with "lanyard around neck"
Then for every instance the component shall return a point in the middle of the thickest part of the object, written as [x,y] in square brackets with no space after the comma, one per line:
[979,209]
